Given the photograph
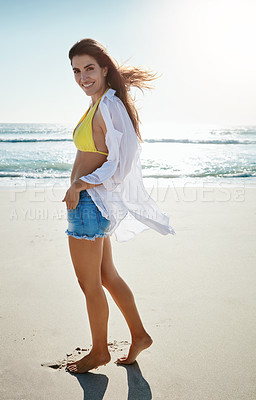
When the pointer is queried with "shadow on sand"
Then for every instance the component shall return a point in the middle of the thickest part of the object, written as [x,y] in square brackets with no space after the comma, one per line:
[138,387]
[95,385]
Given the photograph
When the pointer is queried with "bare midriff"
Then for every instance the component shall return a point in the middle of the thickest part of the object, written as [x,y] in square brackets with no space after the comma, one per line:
[85,163]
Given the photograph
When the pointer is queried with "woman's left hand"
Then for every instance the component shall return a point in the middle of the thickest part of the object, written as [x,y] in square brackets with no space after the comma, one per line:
[72,197]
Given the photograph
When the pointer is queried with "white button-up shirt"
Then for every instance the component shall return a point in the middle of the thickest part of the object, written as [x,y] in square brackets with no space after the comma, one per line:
[122,197]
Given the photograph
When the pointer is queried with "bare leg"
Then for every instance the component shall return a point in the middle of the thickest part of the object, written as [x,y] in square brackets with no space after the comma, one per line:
[123,297]
[87,257]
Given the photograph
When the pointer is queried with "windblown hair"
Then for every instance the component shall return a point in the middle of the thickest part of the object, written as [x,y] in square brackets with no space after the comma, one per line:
[119,77]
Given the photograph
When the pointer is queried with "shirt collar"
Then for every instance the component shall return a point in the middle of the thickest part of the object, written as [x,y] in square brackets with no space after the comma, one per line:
[110,94]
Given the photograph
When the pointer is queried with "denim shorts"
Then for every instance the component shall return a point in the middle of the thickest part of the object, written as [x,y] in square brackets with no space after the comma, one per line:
[86,221]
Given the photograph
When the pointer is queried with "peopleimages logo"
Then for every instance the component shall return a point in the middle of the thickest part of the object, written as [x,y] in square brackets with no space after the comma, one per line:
[187,192]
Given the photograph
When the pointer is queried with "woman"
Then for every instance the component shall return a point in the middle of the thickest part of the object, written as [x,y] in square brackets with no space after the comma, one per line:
[107,195]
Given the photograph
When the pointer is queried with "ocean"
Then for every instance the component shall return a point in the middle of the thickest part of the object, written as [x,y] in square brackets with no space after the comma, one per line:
[172,155]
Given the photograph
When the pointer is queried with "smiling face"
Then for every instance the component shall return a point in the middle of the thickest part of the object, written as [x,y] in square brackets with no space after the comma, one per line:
[89,75]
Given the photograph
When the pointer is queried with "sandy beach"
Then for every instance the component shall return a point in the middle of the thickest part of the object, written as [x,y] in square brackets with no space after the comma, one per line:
[195,292]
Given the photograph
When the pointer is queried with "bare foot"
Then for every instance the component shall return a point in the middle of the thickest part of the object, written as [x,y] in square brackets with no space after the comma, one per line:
[137,346]
[90,361]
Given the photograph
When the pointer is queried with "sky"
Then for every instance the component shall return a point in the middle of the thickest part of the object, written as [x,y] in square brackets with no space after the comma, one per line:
[204,51]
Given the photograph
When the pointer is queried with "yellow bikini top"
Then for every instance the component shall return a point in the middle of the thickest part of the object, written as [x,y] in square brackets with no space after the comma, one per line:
[82,135]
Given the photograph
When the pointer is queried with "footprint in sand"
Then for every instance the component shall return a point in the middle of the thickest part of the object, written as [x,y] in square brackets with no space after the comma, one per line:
[76,354]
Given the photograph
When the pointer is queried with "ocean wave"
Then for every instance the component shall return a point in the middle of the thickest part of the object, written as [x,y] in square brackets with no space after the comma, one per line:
[201,141]
[48,174]
[185,141]
[235,131]
[32,175]
[35,140]
[201,175]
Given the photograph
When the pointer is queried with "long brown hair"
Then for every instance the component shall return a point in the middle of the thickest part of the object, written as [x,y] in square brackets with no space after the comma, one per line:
[120,77]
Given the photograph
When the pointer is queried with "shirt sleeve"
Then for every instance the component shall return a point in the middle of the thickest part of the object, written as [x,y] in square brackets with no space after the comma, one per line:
[122,143]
